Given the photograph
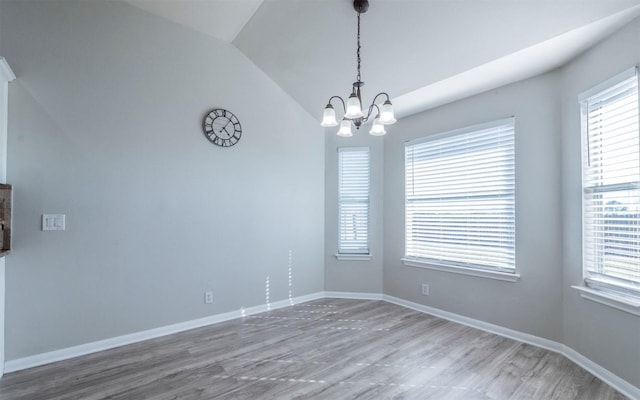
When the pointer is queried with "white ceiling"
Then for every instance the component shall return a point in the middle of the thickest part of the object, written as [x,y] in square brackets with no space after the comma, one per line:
[422,52]
[222,19]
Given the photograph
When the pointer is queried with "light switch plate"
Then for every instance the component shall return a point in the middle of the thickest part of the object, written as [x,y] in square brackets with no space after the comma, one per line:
[53,222]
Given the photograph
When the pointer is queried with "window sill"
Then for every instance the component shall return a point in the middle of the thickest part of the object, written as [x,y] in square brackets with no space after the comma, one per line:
[608,299]
[501,276]
[353,257]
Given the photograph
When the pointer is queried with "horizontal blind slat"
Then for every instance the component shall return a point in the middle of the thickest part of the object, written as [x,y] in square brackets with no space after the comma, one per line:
[353,200]
[460,198]
[611,177]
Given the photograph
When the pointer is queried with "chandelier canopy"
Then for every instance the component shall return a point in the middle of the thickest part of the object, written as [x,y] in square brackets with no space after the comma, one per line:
[352,111]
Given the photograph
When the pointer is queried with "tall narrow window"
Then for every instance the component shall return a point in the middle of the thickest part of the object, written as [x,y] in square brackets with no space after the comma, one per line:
[611,185]
[460,198]
[353,195]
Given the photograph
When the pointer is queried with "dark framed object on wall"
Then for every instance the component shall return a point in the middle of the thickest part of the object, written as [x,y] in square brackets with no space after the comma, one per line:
[6,194]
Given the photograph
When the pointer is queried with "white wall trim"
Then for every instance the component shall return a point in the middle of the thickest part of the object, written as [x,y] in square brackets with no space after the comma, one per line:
[601,373]
[611,300]
[106,344]
[475,323]
[353,295]
[6,76]
[501,276]
[352,257]
[605,375]
[6,73]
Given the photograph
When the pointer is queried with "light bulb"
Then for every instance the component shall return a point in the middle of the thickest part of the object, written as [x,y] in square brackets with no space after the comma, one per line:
[354,109]
[386,115]
[377,129]
[329,117]
[345,129]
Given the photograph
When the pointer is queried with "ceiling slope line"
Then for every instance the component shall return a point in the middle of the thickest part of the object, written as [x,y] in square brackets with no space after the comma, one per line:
[229,16]
[523,64]
[244,23]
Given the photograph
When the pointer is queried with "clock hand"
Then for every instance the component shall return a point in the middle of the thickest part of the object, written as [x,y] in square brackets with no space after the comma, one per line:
[224,128]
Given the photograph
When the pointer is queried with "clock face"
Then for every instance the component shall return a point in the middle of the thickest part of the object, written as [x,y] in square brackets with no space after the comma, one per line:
[221,127]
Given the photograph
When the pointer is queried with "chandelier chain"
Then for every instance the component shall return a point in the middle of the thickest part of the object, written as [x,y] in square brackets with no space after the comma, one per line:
[354,113]
[358,76]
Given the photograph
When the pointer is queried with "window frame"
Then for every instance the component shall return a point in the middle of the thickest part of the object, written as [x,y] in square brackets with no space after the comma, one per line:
[478,270]
[608,290]
[355,254]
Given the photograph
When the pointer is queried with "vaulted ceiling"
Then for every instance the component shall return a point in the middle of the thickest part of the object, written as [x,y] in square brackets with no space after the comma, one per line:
[422,52]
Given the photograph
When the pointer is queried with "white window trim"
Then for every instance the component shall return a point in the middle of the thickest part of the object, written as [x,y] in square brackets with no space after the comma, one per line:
[352,257]
[623,76]
[356,256]
[481,273]
[460,131]
[6,76]
[609,299]
[511,276]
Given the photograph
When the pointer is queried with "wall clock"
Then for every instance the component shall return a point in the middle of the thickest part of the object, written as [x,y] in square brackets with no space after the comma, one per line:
[222,128]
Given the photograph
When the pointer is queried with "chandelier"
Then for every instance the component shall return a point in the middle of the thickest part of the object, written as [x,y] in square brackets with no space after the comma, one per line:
[353,111]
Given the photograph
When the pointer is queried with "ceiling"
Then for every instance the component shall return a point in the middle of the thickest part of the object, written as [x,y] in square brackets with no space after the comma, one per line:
[222,19]
[424,53]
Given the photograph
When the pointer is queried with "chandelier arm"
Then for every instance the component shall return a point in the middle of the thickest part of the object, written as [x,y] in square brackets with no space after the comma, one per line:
[371,107]
[344,107]
[380,94]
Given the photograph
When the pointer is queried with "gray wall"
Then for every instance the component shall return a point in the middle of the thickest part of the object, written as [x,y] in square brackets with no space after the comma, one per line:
[354,276]
[607,336]
[548,214]
[532,304]
[2,261]
[105,127]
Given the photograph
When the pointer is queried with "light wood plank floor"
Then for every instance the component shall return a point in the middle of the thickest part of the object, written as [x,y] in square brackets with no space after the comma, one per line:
[327,349]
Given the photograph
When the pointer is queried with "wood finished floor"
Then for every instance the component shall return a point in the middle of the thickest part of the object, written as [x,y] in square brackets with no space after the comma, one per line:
[326,349]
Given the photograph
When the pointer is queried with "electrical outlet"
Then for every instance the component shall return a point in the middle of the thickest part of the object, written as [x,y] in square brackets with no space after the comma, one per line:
[425,289]
[208,297]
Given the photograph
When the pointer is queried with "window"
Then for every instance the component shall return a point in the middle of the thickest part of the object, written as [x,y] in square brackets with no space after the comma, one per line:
[460,199]
[611,185]
[353,200]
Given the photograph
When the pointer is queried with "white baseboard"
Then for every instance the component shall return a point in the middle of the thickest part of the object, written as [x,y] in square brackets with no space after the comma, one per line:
[605,375]
[353,295]
[475,323]
[106,344]
[601,373]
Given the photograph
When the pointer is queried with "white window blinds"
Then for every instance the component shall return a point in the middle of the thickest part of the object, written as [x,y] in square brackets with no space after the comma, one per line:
[611,184]
[460,198]
[353,200]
